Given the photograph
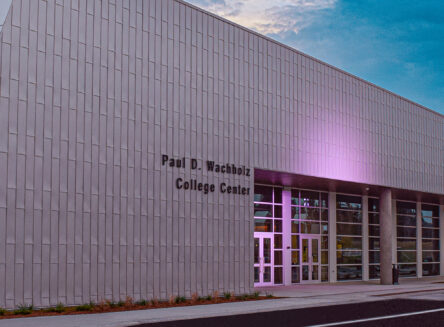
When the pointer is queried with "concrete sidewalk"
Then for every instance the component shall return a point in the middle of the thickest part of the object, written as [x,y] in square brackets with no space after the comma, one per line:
[298,296]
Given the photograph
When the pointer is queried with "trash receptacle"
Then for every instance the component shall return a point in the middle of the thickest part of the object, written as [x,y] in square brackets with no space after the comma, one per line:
[395,274]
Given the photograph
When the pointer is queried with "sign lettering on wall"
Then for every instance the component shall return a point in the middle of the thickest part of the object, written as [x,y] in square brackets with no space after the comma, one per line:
[210,166]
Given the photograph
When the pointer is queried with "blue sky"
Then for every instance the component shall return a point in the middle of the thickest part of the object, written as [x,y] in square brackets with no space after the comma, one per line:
[396,44]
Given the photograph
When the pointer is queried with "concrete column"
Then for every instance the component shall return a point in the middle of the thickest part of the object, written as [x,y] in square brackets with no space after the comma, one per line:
[365,254]
[286,234]
[418,240]
[395,233]
[332,276]
[386,236]
[441,239]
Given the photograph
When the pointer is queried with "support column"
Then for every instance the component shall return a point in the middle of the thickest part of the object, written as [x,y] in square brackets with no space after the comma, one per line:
[386,236]
[365,254]
[418,240]
[286,234]
[395,233]
[332,275]
[441,239]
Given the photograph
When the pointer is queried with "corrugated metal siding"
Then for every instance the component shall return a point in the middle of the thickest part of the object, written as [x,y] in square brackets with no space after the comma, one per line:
[93,92]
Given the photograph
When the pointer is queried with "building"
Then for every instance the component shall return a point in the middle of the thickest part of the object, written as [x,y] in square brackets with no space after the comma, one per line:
[149,149]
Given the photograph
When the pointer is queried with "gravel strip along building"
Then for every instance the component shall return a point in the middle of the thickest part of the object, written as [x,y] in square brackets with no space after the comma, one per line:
[149,148]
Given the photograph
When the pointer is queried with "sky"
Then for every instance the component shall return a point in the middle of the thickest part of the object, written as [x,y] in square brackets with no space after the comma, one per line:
[395,44]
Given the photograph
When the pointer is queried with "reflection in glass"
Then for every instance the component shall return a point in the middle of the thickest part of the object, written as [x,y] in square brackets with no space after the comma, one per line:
[349,243]
[295,226]
[406,221]
[256,250]
[310,214]
[309,228]
[294,241]
[373,230]
[263,193]
[406,232]
[324,257]
[294,257]
[267,274]
[430,245]
[305,272]
[373,218]
[349,257]
[373,205]
[373,243]
[263,225]
[267,250]
[315,250]
[373,256]
[263,210]
[349,216]
[256,275]
[348,229]
[348,202]
[310,199]
[430,256]
[304,250]
[407,270]
[406,208]
[430,222]
[406,244]
[406,256]
[374,271]
[295,275]
[428,210]
[324,274]
[430,269]
[315,272]
[349,272]
[277,211]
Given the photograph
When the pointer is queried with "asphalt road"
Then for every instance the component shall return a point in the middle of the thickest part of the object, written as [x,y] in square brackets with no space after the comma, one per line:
[337,315]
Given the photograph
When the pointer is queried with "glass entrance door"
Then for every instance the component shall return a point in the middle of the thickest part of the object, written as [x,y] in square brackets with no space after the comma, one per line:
[263,258]
[310,258]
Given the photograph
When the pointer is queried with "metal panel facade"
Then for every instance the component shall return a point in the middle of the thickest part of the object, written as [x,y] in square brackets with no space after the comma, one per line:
[93,93]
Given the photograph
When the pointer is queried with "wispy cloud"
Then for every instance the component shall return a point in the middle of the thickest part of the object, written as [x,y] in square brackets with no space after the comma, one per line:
[268,17]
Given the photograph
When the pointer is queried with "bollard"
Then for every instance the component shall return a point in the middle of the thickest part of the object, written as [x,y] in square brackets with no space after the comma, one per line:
[395,274]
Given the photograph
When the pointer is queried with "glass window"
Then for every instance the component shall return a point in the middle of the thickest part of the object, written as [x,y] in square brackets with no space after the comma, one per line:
[349,257]
[348,229]
[263,193]
[428,210]
[277,195]
[348,202]
[406,256]
[373,205]
[263,225]
[374,272]
[263,210]
[277,241]
[430,269]
[373,218]
[430,233]
[406,221]
[406,208]
[373,243]
[373,230]
[430,244]
[277,211]
[278,275]
[406,244]
[349,216]
[406,232]
[430,256]
[349,272]
[309,214]
[349,243]
[429,222]
[278,226]
[373,256]
[407,270]
[310,228]
[310,199]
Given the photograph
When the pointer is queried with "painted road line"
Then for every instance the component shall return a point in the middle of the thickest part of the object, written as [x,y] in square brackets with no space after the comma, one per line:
[379,318]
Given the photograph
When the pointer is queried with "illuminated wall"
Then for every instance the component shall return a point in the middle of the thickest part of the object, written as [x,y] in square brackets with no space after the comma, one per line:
[94,93]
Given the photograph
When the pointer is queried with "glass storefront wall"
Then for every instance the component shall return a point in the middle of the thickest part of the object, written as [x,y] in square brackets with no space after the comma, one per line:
[309,216]
[268,219]
[308,231]
[406,238]
[349,237]
[373,238]
[430,240]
